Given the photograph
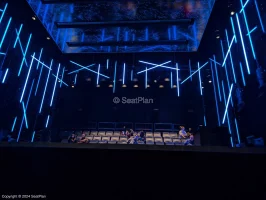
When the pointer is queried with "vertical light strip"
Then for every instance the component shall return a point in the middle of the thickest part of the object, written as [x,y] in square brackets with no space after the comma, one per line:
[258,12]
[217,78]
[39,58]
[205,122]
[24,56]
[146,78]
[124,71]
[98,74]
[232,143]
[3,13]
[177,80]
[18,35]
[249,36]
[215,95]
[75,81]
[200,79]
[226,108]
[24,114]
[115,77]
[171,79]
[242,73]
[32,138]
[243,45]
[169,34]
[107,63]
[230,54]
[190,70]
[233,28]
[14,124]
[44,92]
[47,121]
[39,80]
[132,75]
[227,115]
[51,103]
[4,36]
[4,79]
[63,72]
[27,78]
[237,132]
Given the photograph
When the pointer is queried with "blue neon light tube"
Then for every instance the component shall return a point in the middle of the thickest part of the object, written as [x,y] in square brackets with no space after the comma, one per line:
[114,77]
[243,6]
[75,81]
[177,80]
[24,114]
[14,124]
[194,72]
[39,58]
[252,30]
[4,36]
[47,80]
[243,45]
[228,121]
[47,121]
[32,138]
[200,79]
[63,72]
[51,103]
[258,12]
[4,79]
[242,73]
[39,80]
[217,78]
[18,34]
[146,78]
[24,56]
[75,71]
[190,69]
[226,108]
[98,74]
[124,71]
[237,132]
[131,75]
[229,50]
[171,79]
[25,85]
[205,122]
[3,13]
[214,61]
[233,27]
[155,66]
[231,59]
[107,63]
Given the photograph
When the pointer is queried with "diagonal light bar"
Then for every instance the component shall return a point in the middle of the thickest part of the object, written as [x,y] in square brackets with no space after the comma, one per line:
[51,103]
[24,56]
[14,124]
[47,121]
[124,72]
[249,36]
[18,35]
[24,114]
[32,138]
[63,72]
[155,66]
[22,51]
[258,12]
[229,50]
[200,79]
[237,132]
[226,108]
[44,92]
[194,72]
[25,85]
[38,80]
[252,30]
[3,13]
[243,45]
[227,115]
[2,53]
[79,69]
[243,6]
[233,27]
[88,69]
[99,66]
[75,81]
[4,79]
[177,80]
[114,77]
[217,78]
[39,58]
[4,36]
[214,61]
[230,54]
[242,73]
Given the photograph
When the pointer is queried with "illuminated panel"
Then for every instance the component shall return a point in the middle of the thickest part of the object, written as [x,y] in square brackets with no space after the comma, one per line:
[227,115]
[233,28]
[237,132]
[98,74]
[14,124]
[47,80]
[200,79]
[18,34]
[177,80]
[229,50]
[249,37]
[39,58]
[217,78]
[4,36]
[242,73]
[24,115]
[226,108]
[258,12]
[47,121]
[124,71]
[243,45]
[75,71]
[231,59]
[25,85]
[4,79]
[155,66]
[215,95]
[51,103]
[115,77]
[194,72]
[24,55]
[3,13]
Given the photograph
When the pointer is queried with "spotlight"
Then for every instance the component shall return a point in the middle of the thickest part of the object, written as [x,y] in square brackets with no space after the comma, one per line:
[72,86]
[167,79]
[48,38]
[210,81]
[218,37]
[98,86]
[34,18]
[110,85]
[161,86]
[155,81]
[232,12]
[135,86]
[124,86]
[174,86]
[148,86]
[202,87]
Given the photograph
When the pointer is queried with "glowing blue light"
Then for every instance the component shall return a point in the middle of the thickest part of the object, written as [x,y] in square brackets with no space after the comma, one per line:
[233,27]
[47,121]
[217,78]
[242,73]
[25,85]
[232,144]
[205,122]
[171,79]
[232,63]
[39,58]
[131,75]
[147,34]
[190,69]
[215,95]
[75,71]
[114,77]
[51,103]
[250,39]
[75,81]
[44,92]
[258,12]
[200,79]
[98,74]
[32,138]
[228,120]
[243,45]
[146,78]
[214,61]
[243,6]
[177,80]
[252,30]
[124,71]
[107,63]
[14,124]
[226,108]
[88,69]
[1,53]
[194,72]
[229,50]
[3,13]
[155,65]
[24,56]
[63,72]
[4,36]
[38,80]
[24,114]
[4,79]
[18,35]
[237,132]
[169,34]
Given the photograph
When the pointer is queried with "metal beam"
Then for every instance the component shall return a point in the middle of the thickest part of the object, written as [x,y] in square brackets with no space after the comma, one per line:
[127,43]
[123,23]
